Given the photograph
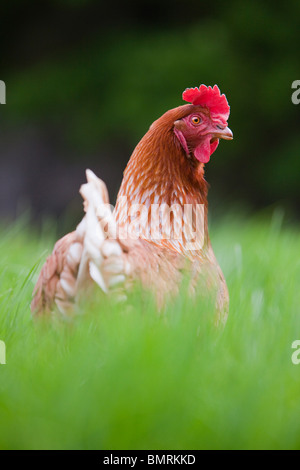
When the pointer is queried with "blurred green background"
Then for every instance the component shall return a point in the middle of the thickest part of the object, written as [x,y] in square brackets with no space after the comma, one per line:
[85,79]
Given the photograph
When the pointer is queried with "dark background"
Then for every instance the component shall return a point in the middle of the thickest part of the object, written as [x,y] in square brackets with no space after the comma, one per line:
[85,80]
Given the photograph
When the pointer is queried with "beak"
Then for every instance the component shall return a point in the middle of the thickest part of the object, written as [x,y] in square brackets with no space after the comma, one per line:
[222,133]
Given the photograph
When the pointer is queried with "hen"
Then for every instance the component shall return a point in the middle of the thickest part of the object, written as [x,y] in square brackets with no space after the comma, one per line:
[158,229]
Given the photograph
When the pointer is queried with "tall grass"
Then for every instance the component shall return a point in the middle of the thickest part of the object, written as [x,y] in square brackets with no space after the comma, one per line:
[120,376]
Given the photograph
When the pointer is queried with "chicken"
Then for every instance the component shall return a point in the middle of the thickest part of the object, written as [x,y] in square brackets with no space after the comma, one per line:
[158,230]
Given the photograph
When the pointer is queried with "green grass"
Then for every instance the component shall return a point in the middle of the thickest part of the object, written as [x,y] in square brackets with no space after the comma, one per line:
[124,377]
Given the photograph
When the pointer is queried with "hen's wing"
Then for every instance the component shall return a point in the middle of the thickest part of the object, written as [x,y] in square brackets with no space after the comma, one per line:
[55,273]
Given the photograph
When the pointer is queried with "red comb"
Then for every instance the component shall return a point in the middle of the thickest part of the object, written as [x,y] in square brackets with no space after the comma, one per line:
[210,97]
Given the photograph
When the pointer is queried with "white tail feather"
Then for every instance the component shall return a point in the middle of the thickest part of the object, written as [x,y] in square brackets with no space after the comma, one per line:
[95,254]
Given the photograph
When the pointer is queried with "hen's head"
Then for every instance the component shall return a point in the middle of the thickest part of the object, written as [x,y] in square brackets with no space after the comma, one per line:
[205,122]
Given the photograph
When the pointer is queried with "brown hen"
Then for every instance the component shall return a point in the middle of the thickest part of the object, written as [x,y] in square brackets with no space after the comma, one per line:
[158,229]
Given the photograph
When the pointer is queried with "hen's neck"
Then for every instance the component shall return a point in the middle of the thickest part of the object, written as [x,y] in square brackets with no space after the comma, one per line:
[159,173]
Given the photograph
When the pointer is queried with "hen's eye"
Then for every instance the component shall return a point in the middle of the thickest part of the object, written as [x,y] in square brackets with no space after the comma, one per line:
[196,120]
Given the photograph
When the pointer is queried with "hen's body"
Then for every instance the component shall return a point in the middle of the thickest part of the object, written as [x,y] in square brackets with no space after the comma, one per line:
[159,224]
[152,177]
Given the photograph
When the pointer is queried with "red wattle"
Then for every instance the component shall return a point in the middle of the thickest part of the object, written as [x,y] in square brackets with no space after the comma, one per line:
[213,146]
[203,152]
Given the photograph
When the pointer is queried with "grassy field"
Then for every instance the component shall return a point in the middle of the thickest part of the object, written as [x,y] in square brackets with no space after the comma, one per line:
[123,377]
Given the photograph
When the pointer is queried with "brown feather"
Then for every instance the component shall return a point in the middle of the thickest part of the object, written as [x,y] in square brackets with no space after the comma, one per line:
[158,172]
